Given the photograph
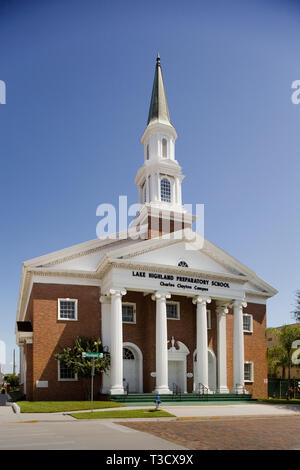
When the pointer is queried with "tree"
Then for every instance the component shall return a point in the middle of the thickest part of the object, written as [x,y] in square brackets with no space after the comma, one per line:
[276,358]
[296,311]
[73,360]
[13,380]
[286,335]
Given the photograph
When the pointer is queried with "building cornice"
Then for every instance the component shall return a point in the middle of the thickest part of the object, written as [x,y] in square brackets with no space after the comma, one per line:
[160,268]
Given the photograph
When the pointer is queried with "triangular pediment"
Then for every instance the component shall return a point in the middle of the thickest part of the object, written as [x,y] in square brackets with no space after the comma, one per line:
[181,254]
[200,256]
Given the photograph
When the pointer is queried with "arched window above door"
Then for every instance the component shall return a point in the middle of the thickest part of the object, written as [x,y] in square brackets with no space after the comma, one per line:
[127,354]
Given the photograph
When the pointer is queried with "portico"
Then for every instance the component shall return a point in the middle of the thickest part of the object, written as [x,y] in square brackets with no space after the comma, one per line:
[198,307]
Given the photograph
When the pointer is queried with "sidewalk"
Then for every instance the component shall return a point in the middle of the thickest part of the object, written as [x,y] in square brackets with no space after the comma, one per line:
[189,412]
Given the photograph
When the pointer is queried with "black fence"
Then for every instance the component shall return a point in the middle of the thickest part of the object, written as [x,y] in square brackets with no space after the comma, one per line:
[279,388]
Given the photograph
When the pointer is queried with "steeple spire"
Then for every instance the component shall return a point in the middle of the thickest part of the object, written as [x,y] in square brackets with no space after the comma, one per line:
[159,107]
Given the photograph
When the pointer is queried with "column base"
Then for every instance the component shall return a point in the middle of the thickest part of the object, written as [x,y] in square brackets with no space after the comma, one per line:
[117,391]
[162,391]
[223,389]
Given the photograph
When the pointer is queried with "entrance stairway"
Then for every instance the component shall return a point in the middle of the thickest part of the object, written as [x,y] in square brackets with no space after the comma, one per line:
[146,398]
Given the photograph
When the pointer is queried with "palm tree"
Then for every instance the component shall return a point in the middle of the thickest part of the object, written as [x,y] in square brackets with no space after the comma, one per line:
[276,358]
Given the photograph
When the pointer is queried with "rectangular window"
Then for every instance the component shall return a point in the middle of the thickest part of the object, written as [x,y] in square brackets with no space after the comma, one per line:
[67,309]
[128,313]
[247,323]
[173,311]
[64,373]
[248,371]
[208,314]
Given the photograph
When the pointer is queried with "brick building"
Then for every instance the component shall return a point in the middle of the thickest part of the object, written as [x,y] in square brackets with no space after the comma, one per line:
[170,307]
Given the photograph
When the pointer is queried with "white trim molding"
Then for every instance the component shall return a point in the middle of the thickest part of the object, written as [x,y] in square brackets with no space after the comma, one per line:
[75,309]
[251,323]
[251,372]
[64,380]
[129,304]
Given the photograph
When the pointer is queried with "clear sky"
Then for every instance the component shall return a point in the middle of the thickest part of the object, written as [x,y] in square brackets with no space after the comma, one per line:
[79,76]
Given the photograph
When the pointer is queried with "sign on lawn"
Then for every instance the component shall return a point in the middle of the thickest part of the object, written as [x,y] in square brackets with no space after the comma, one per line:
[91,354]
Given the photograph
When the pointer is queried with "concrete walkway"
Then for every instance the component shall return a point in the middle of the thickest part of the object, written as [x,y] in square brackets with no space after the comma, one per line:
[252,409]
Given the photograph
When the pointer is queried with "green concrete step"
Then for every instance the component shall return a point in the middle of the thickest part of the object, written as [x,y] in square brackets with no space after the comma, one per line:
[191,397]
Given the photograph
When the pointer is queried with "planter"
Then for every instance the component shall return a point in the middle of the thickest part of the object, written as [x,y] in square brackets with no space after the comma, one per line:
[3,399]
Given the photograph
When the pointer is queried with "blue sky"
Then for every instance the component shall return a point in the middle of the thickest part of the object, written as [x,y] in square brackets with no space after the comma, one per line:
[79,76]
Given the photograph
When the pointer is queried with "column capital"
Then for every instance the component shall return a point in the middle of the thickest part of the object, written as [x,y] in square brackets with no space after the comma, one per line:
[239,303]
[117,292]
[222,308]
[160,295]
[201,300]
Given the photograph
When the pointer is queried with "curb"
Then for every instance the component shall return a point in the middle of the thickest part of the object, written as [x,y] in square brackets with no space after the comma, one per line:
[16,408]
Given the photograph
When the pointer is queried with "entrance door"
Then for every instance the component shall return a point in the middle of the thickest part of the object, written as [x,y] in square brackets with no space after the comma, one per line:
[130,370]
[175,374]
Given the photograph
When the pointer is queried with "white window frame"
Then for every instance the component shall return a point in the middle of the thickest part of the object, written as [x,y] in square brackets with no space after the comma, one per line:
[252,372]
[208,313]
[64,380]
[251,323]
[130,304]
[170,180]
[173,302]
[76,309]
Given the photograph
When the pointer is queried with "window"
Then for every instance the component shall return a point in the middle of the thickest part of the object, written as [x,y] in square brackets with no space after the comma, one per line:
[173,312]
[183,264]
[127,354]
[147,152]
[128,313]
[208,315]
[164,148]
[64,373]
[165,190]
[247,323]
[67,309]
[248,371]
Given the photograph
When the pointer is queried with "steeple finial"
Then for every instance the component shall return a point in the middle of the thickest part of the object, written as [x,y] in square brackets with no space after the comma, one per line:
[159,106]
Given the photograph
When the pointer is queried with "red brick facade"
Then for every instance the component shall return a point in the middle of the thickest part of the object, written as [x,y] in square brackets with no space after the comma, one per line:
[51,335]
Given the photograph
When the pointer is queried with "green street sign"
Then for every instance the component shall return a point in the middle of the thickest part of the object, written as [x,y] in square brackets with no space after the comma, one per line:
[91,354]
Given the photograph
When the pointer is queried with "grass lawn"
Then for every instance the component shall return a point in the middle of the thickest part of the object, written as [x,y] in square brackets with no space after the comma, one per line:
[280,401]
[150,413]
[56,406]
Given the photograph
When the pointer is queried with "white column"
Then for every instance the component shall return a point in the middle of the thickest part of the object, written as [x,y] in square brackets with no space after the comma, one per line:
[140,195]
[116,345]
[105,336]
[162,386]
[147,189]
[21,363]
[201,342]
[222,311]
[238,346]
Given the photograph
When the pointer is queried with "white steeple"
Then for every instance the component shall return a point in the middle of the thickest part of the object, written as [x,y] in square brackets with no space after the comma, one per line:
[159,179]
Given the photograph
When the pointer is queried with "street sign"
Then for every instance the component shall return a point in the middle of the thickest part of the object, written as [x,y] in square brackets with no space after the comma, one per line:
[94,355]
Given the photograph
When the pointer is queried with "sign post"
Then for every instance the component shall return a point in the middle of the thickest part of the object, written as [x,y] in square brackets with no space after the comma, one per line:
[92,356]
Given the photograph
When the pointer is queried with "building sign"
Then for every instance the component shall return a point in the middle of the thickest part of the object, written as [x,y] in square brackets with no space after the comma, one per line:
[181,282]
